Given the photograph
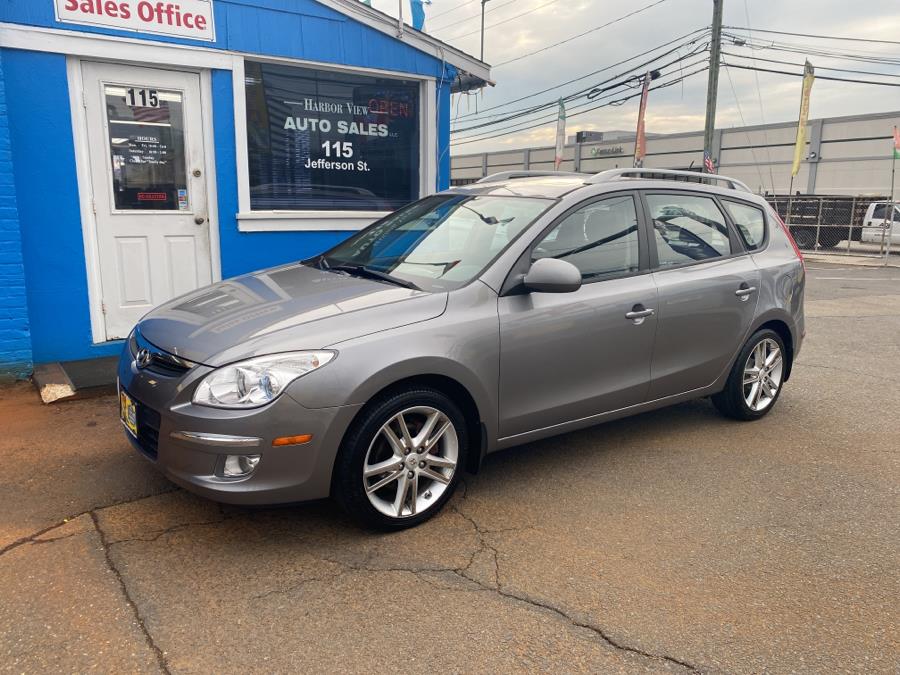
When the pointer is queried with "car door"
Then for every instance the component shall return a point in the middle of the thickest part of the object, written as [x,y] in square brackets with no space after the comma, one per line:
[707,287]
[566,356]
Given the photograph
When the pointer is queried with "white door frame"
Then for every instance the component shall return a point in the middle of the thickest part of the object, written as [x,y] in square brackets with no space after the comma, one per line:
[86,188]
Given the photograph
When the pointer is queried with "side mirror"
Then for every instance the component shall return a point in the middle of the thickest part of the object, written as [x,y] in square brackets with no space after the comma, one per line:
[551,275]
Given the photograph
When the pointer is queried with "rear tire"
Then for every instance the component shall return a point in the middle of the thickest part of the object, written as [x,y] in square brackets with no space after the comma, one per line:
[756,379]
[411,441]
[804,237]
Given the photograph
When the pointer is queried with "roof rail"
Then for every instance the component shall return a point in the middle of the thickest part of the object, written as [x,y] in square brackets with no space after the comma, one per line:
[513,175]
[668,174]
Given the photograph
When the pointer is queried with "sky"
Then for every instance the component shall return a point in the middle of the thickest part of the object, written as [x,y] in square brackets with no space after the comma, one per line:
[745,97]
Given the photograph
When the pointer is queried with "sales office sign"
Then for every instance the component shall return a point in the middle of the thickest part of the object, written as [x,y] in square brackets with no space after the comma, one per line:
[182,18]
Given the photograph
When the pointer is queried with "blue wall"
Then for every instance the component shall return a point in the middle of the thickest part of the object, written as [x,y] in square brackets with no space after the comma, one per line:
[15,339]
[49,210]
[48,272]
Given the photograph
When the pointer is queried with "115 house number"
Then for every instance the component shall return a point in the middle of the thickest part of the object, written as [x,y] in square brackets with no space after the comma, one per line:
[342,149]
[142,98]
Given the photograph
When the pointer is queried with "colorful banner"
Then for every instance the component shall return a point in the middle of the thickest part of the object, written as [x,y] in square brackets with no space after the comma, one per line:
[896,143]
[800,147]
[640,140]
[560,135]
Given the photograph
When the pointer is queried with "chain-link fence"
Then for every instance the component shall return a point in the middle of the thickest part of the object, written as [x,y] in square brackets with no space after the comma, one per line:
[837,224]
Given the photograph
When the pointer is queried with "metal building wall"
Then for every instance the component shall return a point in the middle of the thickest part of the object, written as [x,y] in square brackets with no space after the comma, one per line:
[844,156]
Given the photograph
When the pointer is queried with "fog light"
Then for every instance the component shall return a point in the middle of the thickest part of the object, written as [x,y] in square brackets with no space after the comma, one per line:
[237,466]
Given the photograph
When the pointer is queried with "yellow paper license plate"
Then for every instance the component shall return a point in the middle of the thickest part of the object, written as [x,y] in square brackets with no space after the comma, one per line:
[128,413]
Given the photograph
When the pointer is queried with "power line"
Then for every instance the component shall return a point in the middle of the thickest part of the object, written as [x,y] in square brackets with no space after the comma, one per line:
[473,16]
[818,67]
[552,103]
[818,77]
[543,121]
[516,16]
[453,9]
[744,123]
[817,37]
[807,50]
[694,35]
[575,37]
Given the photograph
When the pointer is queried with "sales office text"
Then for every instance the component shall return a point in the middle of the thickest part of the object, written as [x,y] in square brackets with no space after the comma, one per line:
[162,13]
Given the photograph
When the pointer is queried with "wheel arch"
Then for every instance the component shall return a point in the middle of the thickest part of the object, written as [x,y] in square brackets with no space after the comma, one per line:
[477,426]
[787,337]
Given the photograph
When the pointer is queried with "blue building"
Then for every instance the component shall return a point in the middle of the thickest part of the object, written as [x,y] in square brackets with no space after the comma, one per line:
[148,148]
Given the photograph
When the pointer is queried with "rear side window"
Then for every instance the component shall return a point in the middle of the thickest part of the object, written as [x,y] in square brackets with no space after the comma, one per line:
[687,228]
[600,239]
[750,221]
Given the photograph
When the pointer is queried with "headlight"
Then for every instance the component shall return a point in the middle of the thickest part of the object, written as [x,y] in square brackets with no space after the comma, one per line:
[255,382]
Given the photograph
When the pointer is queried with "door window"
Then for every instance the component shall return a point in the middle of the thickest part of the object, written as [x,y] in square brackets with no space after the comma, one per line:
[146,141]
[600,239]
[687,228]
[750,221]
[881,213]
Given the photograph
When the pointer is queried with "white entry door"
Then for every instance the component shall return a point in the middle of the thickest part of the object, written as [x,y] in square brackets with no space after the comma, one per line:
[148,182]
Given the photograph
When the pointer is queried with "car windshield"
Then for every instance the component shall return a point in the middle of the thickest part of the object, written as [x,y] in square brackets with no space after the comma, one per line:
[436,244]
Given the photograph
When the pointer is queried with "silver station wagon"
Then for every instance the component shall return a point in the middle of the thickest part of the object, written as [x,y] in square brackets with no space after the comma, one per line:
[486,316]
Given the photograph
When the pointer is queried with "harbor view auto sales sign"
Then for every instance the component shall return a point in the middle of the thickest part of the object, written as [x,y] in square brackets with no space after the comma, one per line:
[185,18]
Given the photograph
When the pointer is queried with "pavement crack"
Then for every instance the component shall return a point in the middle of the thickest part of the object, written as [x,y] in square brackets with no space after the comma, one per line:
[34,536]
[153,535]
[498,588]
[160,655]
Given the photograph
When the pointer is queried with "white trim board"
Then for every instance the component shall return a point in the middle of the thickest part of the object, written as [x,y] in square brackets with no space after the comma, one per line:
[97,46]
[86,190]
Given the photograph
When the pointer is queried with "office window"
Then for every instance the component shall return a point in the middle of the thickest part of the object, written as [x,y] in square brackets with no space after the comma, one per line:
[321,140]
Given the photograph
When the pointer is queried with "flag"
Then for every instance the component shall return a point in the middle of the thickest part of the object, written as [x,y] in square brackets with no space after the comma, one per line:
[896,143]
[708,164]
[560,135]
[800,147]
[640,139]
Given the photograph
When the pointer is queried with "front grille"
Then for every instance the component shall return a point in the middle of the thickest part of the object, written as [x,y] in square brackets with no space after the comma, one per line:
[161,362]
[148,421]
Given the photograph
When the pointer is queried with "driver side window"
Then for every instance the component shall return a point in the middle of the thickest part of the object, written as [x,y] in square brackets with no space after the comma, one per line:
[600,239]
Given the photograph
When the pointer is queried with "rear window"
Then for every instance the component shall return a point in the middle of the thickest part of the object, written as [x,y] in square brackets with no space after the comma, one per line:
[750,221]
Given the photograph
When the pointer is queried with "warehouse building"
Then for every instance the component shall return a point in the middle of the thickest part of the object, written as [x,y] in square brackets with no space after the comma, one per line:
[844,156]
[149,148]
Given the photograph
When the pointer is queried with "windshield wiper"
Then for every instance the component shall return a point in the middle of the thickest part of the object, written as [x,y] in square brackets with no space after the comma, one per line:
[372,273]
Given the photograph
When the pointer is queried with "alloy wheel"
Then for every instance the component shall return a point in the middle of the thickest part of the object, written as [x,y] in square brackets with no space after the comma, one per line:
[411,462]
[762,375]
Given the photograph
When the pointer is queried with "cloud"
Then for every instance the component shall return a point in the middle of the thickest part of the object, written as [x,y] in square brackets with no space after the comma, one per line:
[680,107]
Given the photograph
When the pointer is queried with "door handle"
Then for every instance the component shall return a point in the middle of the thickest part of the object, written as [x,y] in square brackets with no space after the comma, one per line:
[199,220]
[638,313]
[744,291]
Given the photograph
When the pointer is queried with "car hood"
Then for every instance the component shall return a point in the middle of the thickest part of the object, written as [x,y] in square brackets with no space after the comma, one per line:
[282,309]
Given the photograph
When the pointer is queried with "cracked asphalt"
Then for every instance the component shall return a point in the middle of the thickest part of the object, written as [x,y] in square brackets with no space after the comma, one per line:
[673,541]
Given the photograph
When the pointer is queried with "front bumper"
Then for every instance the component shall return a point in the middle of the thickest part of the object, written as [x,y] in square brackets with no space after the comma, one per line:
[188,443]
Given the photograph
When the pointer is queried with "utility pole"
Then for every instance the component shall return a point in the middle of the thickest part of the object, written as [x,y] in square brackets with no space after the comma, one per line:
[712,87]
[483,3]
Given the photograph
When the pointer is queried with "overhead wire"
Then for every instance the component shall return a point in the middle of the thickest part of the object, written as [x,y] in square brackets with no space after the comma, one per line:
[580,35]
[815,36]
[492,9]
[632,76]
[543,121]
[693,36]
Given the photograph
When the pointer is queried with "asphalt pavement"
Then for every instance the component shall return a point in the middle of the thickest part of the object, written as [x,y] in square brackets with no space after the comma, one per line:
[672,541]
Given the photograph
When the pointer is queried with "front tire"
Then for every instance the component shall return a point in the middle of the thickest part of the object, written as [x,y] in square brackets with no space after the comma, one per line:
[756,379]
[401,459]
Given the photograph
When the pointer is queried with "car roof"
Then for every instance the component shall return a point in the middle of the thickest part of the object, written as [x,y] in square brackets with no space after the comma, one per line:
[555,187]
[548,187]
